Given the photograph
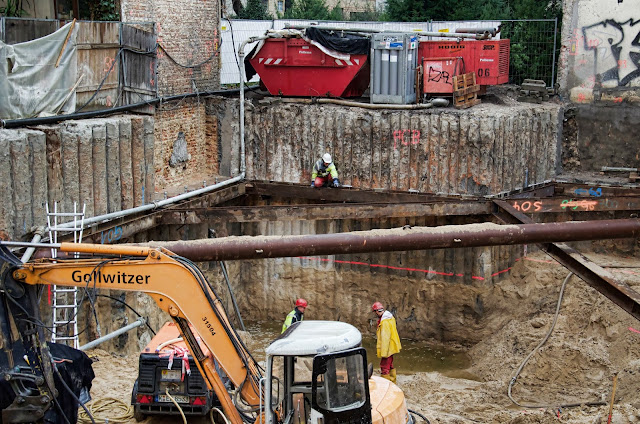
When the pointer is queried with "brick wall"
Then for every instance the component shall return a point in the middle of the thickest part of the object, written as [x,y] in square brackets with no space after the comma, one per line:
[188,31]
[187,122]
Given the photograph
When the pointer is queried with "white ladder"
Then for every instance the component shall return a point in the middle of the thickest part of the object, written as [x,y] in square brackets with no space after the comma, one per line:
[65,300]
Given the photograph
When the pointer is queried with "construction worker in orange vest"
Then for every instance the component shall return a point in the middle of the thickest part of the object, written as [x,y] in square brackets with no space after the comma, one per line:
[388,341]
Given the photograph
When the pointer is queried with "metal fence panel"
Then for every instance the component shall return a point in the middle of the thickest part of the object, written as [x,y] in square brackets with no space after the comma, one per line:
[533,49]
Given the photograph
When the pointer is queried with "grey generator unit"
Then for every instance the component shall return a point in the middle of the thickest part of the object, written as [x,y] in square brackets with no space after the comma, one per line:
[393,68]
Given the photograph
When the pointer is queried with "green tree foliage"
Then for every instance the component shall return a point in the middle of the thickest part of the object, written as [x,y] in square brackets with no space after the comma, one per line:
[453,10]
[100,10]
[308,9]
[255,9]
[13,9]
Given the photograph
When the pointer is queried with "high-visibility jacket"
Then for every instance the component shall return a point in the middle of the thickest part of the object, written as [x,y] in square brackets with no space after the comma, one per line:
[387,334]
[319,169]
[292,317]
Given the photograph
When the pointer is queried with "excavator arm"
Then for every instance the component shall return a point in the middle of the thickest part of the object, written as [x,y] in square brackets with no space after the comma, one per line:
[178,287]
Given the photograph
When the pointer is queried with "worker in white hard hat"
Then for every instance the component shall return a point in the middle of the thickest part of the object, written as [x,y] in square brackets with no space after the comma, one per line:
[324,173]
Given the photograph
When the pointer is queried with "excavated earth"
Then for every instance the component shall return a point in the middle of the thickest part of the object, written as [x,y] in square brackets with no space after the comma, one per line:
[592,341]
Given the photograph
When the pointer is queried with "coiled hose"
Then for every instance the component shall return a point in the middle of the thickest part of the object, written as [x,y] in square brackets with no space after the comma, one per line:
[515,377]
[420,415]
[107,410]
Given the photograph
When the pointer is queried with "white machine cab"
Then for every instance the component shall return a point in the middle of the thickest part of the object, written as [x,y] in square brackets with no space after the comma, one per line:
[315,337]
[317,374]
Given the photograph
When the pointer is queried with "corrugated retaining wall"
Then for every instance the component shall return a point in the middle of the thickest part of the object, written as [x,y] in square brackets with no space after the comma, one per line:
[107,163]
[486,149]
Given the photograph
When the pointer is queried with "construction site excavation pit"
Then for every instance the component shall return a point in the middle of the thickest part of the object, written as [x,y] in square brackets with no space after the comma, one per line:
[592,341]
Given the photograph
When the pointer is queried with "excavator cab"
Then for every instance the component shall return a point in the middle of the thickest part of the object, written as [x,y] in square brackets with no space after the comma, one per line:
[317,374]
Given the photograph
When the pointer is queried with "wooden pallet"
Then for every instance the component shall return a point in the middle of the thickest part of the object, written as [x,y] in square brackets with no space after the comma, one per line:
[465,91]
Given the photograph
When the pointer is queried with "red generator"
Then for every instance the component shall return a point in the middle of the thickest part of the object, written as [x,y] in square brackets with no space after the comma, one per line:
[441,60]
[294,67]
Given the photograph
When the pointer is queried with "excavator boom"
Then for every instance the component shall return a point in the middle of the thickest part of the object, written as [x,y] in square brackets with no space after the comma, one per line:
[177,286]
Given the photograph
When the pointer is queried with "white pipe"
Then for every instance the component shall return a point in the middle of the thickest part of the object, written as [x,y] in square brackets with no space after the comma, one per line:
[478,36]
[36,238]
[167,343]
[140,321]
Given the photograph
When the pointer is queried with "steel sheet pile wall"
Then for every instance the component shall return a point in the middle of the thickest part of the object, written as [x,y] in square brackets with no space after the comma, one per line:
[105,163]
[485,150]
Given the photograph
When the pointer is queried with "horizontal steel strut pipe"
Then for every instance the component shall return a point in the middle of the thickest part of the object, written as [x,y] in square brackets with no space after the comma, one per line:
[400,239]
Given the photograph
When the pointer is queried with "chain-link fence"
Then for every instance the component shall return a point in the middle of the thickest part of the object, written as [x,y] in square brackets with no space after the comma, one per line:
[534,49]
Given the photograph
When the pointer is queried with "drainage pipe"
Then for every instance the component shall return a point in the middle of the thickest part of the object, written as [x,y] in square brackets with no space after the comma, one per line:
[492,31]
[137,323]
[358,104]
[478,36]
[400,239]
[391,240]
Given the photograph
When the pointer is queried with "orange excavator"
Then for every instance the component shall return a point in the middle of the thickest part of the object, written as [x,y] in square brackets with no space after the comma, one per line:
[335,387]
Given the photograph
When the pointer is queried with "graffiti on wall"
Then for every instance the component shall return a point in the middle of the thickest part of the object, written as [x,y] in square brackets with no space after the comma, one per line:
[405,138]
[616,49]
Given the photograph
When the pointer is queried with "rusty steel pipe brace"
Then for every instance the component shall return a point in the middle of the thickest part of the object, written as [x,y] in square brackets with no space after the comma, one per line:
[400,239]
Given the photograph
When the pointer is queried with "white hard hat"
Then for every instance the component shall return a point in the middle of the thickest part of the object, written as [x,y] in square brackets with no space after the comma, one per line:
[326,158]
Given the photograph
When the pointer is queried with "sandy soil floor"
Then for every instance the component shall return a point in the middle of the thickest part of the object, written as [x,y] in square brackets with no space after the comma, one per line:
[592,341]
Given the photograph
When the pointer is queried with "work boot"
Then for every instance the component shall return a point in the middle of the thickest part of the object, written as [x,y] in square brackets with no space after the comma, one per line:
[387,376]
[392,374]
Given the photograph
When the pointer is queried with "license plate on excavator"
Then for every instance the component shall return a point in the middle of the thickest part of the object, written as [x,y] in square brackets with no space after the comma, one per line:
[178,398]
[171,375]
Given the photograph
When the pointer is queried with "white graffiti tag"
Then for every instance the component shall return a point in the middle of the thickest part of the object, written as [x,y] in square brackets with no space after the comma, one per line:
[616,48]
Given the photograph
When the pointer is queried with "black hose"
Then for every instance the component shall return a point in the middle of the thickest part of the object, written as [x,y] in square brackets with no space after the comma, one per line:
[515,377]
[17,123]
[73,395]
[420,415]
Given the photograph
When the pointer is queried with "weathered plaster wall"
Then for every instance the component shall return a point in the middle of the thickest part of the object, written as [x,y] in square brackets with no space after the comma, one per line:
[599,58]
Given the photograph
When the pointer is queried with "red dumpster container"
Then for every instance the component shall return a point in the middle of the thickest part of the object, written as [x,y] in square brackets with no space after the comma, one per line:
[489,59]
[294,67]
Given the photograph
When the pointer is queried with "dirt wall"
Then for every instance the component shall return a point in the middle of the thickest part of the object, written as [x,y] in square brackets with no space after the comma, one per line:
[597,136]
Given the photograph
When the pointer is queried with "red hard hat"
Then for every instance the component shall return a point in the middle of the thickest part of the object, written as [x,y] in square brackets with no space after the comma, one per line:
[376,306]
[301,302]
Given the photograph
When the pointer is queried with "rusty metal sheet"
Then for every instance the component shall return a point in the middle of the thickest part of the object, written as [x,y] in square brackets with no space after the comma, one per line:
[595,190]
[329,211]
[339,195]
[575,204]
[597,277]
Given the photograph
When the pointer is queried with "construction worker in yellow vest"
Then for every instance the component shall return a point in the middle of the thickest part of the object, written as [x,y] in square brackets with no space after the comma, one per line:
[324,173]
[388,341]
[296,315]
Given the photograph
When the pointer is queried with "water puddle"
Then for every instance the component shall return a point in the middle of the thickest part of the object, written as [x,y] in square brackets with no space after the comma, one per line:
[416,356]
